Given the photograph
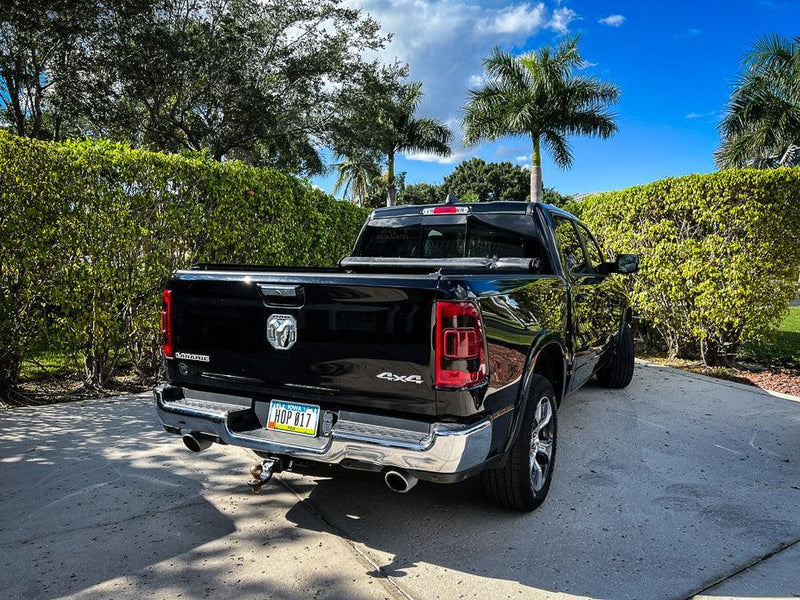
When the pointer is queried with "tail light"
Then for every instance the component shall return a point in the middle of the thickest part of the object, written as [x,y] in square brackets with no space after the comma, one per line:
[460,345]
[166,324]
[446,210]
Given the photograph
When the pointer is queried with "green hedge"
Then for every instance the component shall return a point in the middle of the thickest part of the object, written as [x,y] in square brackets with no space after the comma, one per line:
[720,254]
[90,230]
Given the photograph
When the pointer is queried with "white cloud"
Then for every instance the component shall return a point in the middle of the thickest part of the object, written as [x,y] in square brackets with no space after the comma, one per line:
[702,115]
[444,41]
[561,19]
[692,32]
[477,80]
[522,158]
[512,20]
[612,20]
[586,64]
[451,159]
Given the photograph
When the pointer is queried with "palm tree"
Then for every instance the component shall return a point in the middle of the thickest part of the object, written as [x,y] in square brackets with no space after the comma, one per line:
[355,177]
[762,124]
[402,131]
[539,96]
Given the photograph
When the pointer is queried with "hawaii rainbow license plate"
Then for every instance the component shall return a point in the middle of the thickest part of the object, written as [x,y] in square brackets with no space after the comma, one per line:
[293,417]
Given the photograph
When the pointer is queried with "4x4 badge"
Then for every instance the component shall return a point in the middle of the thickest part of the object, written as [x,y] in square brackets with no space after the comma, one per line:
[400,378]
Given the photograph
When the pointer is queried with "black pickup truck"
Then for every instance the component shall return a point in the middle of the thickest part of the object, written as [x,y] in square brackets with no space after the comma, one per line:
[439,350]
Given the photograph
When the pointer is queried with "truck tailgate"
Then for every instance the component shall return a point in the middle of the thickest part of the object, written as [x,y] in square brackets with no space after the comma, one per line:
[346,339]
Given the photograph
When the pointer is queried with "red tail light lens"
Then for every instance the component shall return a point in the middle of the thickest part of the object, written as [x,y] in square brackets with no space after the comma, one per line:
[460,345]
[166,324]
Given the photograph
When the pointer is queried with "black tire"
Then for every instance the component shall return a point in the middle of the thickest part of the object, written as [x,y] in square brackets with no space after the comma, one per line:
[514,485]
[619,372]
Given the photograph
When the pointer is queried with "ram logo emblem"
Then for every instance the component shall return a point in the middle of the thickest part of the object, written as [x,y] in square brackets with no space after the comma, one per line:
[281,331]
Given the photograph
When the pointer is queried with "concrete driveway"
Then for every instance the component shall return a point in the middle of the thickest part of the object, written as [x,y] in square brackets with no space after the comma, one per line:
[676,486]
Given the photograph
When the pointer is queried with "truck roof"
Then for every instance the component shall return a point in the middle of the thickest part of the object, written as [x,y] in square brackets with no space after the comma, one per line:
[408,210]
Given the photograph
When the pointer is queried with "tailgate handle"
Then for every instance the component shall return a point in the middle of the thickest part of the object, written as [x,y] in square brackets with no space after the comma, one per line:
[283,294]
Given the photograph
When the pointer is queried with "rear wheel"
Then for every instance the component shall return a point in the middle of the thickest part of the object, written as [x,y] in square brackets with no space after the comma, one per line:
[619,372]
[522,483]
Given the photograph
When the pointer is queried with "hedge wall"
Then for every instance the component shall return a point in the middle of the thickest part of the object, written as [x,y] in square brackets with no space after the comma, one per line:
[90,230]
[720,254]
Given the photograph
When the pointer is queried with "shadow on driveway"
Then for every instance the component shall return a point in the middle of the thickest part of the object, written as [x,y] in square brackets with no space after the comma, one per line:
[660,490]
[98,501]
[82,502]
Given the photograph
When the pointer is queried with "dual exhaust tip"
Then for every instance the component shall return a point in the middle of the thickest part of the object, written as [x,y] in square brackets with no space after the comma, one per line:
[396,480]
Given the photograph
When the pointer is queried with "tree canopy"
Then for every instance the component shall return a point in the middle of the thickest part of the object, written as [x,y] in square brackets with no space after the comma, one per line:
[264,81]
[539,96]
[762,125]
[488,181]
[421,193]
[401,130]
[472,180]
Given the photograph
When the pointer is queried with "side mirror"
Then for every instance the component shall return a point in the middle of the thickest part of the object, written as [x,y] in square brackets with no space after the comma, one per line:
[626,263]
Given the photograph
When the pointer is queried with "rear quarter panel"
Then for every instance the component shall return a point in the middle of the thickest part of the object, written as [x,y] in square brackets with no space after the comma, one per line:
[520,313]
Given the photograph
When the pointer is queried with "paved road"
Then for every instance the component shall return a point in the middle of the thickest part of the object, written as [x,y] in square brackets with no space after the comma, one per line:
[675,486]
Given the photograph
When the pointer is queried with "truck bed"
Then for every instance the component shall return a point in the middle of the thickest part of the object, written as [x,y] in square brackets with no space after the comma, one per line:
[350,328]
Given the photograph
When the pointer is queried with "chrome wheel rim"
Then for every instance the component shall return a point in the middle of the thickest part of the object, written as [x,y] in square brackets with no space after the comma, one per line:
[541,457]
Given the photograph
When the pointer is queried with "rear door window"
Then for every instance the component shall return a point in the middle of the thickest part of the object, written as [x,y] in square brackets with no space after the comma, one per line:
[570,248]
[593,251]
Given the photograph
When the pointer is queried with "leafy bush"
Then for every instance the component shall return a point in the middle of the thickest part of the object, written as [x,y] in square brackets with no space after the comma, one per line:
[488,181]
[89,232]
[421,193]
[720,254]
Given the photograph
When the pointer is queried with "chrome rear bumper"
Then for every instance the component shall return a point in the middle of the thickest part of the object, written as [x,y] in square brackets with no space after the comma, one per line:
[443,448]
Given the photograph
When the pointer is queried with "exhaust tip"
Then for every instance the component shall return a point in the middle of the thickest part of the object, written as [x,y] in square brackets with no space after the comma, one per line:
[196,444]
[399,482]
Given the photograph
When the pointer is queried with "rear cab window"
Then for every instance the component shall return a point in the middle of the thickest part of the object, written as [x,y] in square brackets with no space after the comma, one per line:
[484,235]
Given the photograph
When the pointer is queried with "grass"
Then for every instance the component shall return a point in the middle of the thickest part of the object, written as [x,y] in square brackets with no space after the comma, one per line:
[784,348]
[49,377]
[45,365]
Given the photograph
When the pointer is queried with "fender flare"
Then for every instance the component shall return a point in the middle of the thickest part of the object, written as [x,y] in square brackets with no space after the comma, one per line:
[543,340]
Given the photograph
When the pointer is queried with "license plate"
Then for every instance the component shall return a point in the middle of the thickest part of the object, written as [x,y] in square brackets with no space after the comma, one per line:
[293,417]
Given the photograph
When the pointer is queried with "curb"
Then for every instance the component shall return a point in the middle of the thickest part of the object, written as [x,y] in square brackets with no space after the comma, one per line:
[718,380]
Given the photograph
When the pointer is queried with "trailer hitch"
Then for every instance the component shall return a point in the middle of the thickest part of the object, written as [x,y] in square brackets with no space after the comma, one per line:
[263,472]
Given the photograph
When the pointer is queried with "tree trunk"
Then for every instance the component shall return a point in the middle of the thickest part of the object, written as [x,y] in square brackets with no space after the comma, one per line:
[16,107]
[391,195]
[98,369]
[9,374]
[536,171]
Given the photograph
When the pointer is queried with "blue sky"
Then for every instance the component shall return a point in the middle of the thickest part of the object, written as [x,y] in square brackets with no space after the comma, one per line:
[674,63]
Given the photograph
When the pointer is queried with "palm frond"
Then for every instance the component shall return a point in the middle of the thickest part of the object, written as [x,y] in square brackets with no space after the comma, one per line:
[507,69]
[355,177]
[762,119]
[559,148]
[591,122]
[770,52]
[427,135]
[537,94]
